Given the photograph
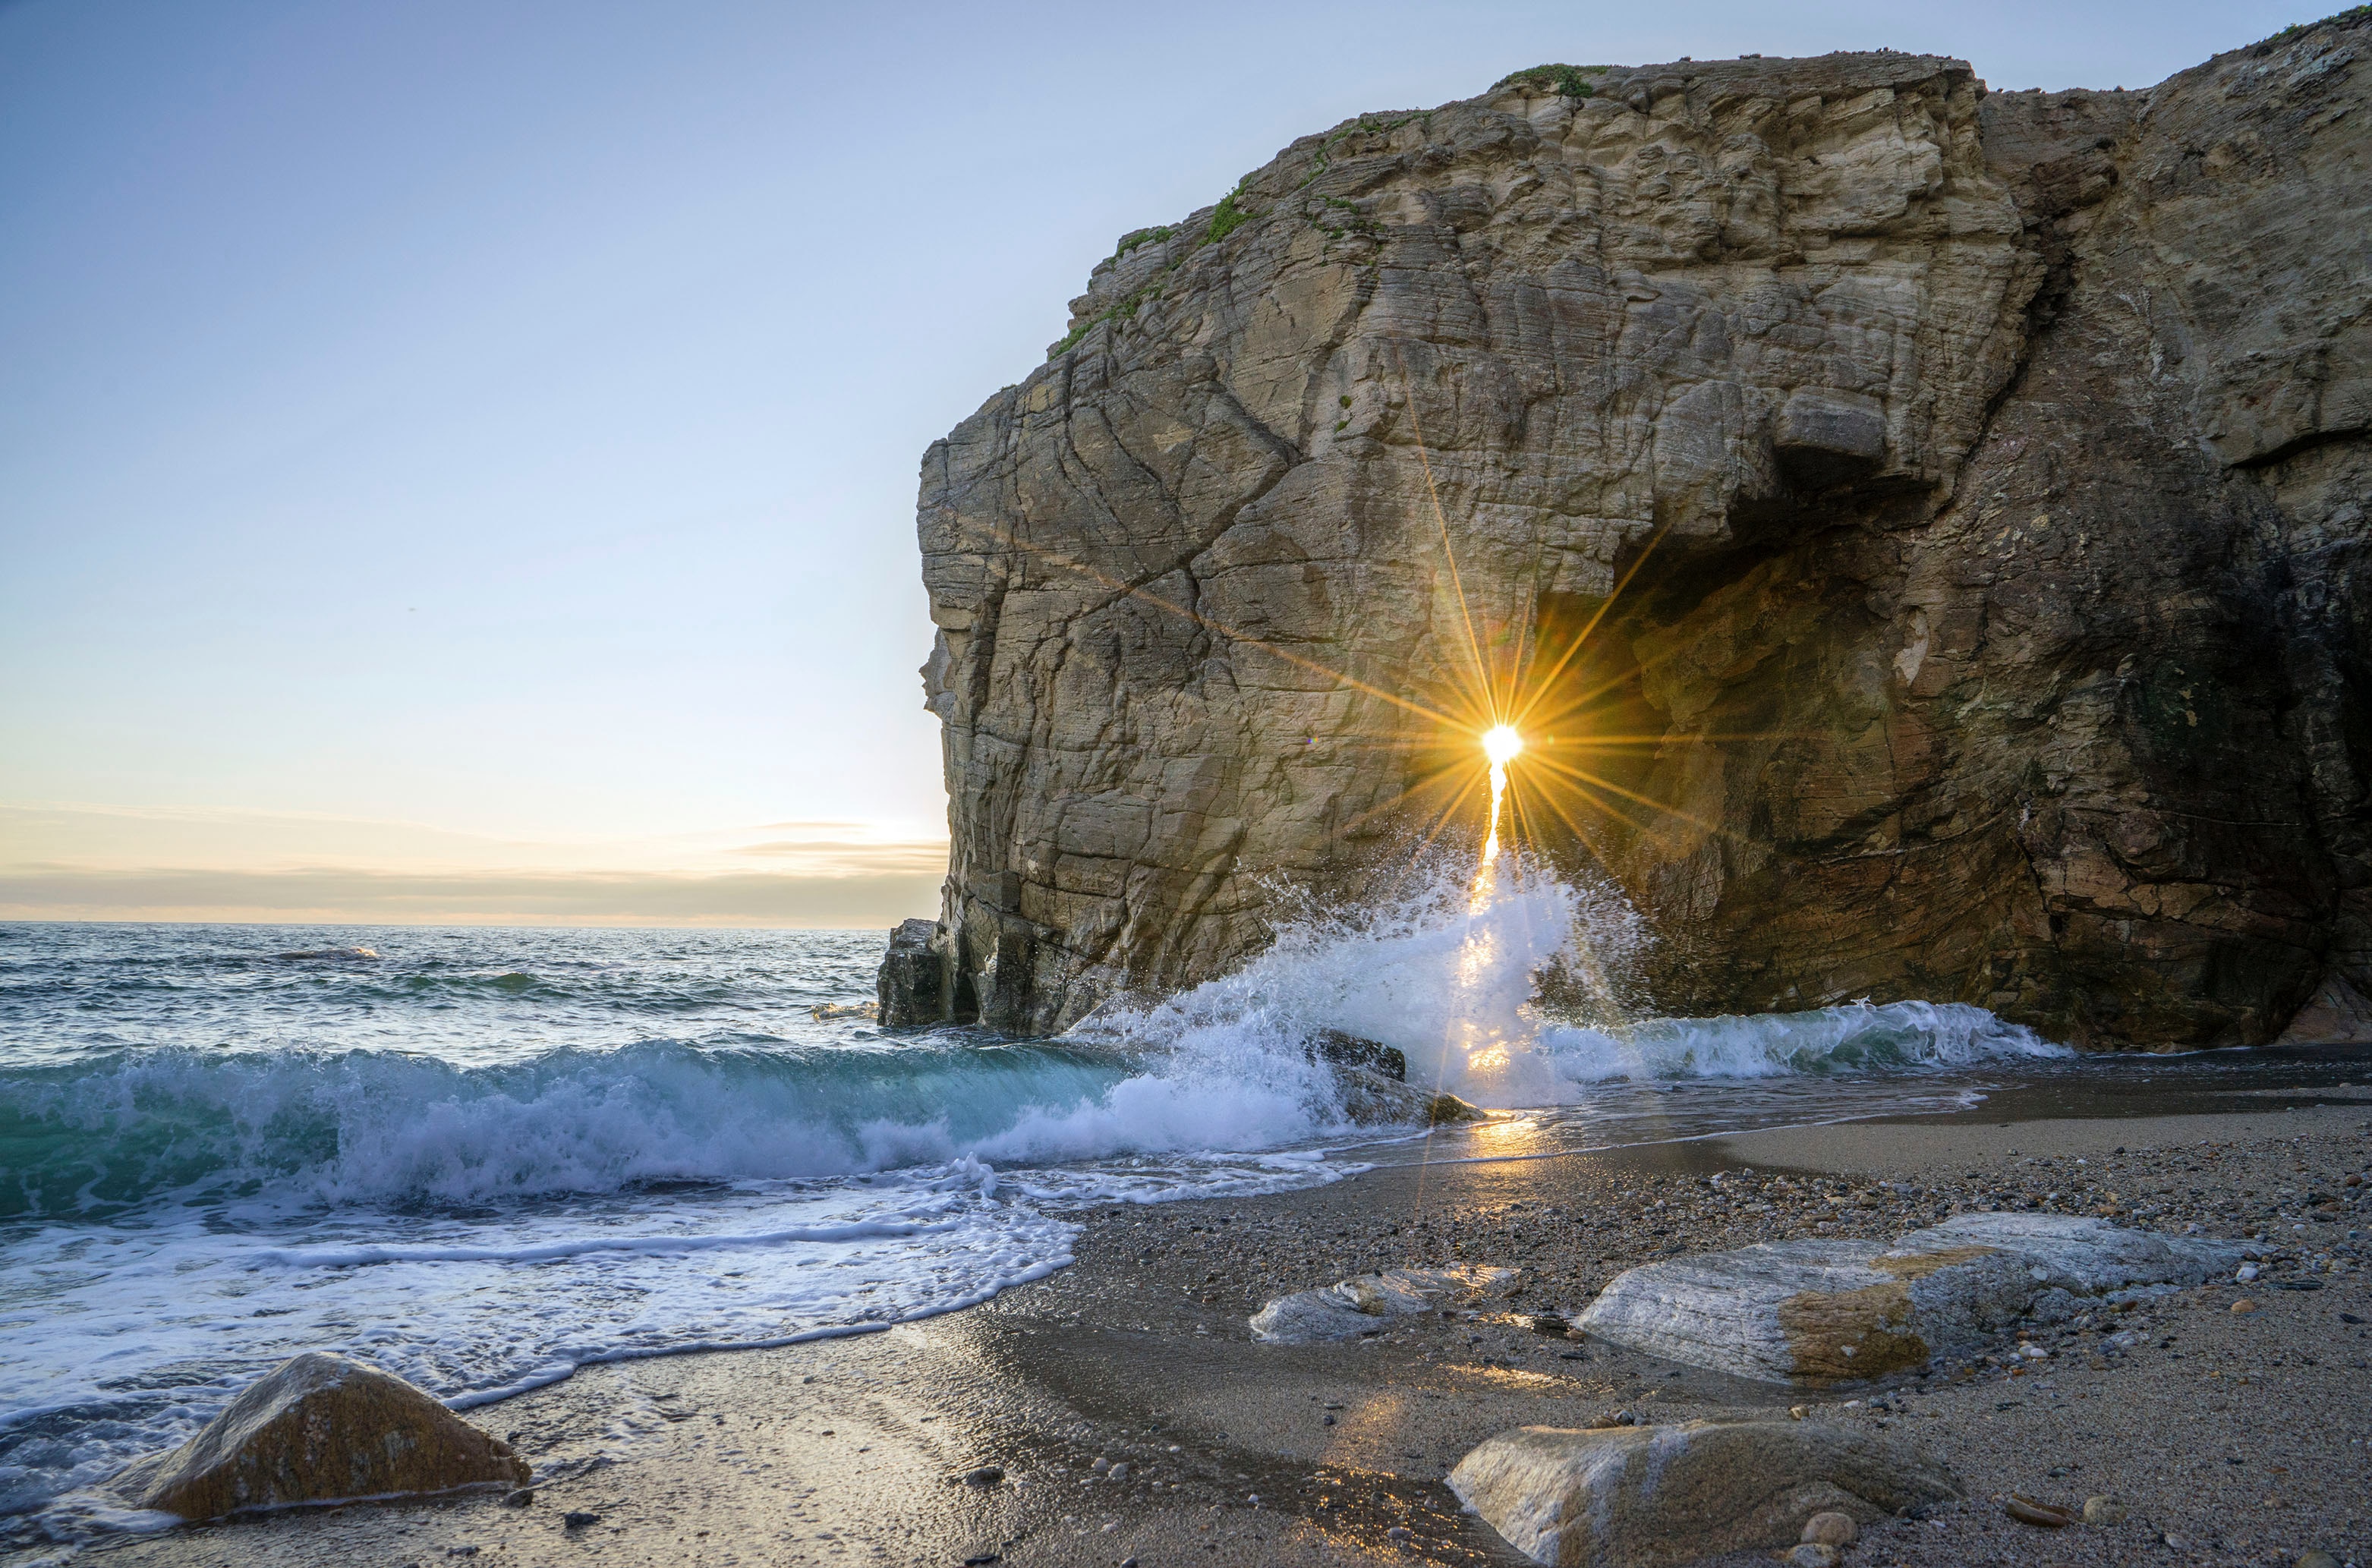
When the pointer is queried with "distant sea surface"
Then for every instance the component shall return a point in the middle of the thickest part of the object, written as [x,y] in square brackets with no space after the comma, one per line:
[482,1158]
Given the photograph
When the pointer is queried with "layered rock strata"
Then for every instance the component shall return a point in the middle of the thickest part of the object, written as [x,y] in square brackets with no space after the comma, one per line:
[1925,528]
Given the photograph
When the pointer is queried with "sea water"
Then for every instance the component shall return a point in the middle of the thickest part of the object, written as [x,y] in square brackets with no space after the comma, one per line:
[481,1158]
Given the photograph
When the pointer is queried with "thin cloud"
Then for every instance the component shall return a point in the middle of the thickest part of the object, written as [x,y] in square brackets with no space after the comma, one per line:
[340,896]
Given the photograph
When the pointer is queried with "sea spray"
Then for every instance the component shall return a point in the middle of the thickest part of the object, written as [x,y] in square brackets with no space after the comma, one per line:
[1513,987]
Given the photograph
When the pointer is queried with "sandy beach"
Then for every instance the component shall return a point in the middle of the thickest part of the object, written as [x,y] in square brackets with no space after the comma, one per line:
[1134,1418]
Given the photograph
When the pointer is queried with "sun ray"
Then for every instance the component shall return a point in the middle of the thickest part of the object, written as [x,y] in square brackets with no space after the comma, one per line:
[1483,676]
[1442,821]
[1233,634]
[1542,686]
[1585,776]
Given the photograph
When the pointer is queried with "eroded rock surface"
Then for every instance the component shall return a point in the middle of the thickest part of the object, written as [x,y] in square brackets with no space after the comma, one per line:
[1655,1494]
[1988,474]
[1818,1313]
[319,1428]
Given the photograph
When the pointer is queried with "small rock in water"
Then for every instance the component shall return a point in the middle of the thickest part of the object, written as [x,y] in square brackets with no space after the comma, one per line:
[2104,1510]
[986,1475]
[1118,1472]
[577,1519]
[1398,1533]
[1831,1530]
[1813,1554]
[519,1499]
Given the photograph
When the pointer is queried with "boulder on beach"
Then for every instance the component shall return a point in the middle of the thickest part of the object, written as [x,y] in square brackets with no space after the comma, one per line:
[1816,1313]
[1364,1305]
[319,1428]
[1656,1494]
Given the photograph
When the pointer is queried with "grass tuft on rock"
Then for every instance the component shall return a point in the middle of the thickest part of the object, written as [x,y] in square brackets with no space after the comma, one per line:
[1227,218]
[1568,81]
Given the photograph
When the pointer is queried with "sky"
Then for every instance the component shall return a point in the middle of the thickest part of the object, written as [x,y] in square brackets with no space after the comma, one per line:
[458,460]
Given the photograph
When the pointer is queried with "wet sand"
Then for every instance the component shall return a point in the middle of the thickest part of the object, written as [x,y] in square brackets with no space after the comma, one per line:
[2240,1436]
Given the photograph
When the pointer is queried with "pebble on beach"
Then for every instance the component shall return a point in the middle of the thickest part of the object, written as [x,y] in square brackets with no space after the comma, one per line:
[1831,1530]
[2104,1510]
[2029,1511]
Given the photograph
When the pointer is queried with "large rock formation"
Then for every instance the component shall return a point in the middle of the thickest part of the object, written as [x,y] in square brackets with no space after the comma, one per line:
[1962,494]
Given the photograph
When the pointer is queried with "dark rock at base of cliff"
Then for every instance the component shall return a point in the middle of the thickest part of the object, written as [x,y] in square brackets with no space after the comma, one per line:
[912,987]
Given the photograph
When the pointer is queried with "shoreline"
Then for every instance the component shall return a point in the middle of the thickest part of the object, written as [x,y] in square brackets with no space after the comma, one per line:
[844,1450]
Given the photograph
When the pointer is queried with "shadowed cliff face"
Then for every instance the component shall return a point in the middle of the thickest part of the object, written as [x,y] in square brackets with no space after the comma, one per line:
[1921,529]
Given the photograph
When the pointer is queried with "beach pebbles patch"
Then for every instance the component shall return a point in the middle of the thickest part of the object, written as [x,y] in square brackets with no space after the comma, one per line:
[1674,1493]
[320,1428]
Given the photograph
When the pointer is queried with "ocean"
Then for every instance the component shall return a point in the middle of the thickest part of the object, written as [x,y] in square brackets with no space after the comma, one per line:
[481,1158]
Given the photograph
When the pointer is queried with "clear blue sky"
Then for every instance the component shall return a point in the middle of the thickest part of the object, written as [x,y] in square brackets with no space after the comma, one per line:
[502,418]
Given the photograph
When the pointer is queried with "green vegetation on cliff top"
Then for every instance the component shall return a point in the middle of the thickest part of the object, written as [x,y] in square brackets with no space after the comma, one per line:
[1567,80]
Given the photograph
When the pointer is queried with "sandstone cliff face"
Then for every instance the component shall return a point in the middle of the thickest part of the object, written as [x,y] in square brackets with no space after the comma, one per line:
[1963,496]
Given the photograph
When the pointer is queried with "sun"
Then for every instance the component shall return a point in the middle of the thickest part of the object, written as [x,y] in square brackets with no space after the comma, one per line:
[1500,743]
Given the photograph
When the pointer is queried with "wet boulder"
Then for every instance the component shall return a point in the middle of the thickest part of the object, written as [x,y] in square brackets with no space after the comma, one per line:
[1338,1049]
[1642,1495]
[319,1428]
[1371,1099]
[1822,1312]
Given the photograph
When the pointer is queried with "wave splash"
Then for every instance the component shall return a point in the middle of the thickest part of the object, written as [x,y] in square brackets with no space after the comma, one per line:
[1452,975]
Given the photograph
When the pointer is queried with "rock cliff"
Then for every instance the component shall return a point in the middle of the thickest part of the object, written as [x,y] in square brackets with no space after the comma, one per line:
[1922,529]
